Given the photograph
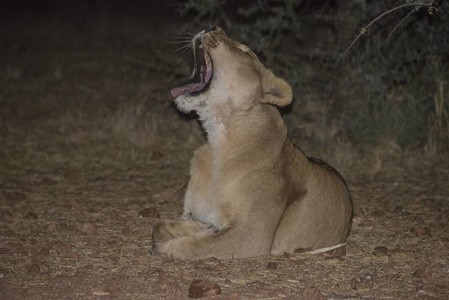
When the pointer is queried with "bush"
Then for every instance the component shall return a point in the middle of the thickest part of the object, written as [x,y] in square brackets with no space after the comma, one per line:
[385,87]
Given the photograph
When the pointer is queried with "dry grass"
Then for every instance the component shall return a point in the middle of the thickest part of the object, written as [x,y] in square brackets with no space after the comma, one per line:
[439,123]
[72,230]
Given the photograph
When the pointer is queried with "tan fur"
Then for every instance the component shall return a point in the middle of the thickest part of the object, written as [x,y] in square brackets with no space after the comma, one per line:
[251,192]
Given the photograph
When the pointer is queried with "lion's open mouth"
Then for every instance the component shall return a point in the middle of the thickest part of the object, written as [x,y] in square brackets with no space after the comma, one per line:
[202,72]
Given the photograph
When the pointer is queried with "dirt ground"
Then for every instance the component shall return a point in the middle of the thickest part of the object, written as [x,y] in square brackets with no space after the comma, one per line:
[92,154]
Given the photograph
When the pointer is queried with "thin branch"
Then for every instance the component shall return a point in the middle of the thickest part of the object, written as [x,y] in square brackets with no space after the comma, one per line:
[399,24]
[367,27]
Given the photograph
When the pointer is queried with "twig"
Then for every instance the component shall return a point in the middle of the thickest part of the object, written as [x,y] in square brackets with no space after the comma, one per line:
[399,24]
[367,27]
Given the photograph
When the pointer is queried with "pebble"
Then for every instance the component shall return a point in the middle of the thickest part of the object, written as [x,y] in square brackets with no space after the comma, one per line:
[312,294]
[88,227]
[424,272]
[203,288]
[149,213]
[14,196]
[272,265]
[362,282]
[422,232]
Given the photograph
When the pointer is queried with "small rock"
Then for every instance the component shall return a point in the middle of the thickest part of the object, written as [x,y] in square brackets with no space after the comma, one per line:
[84,270]
[312,294]
[14,196]
[6,216]
[73,175]
[67,246]
[92,241]
[214,291]
[424,272]
[156,156]
[166,279]
[303,250]
[397,208]
[34,269]
[164,195]
[149,213]
[378,213]
[272,265]
[51,227]
[88,227]
[4,273]
[186,278]
[44,252]
[422,232]
[127,231]
[46,180]
[99,178]
[417,219]
[203,288]
[362,282]
[267,293]
[203,269]
[30,216]
[298,262]
[380,251]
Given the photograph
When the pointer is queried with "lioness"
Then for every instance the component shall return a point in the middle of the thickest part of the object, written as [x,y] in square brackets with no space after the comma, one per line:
[251,191]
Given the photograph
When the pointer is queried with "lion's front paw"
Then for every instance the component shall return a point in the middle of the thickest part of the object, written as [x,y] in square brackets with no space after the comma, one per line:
[166,230]
[177,248]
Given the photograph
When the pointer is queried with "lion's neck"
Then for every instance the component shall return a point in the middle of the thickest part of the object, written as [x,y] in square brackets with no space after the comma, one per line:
[213,118]
[215,128]
[237,131]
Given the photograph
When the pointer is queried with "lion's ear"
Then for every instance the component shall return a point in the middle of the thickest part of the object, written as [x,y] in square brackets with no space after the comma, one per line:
[277,91]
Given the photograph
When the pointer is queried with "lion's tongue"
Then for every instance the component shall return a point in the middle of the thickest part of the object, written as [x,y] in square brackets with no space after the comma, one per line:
[205,76]
[189,88]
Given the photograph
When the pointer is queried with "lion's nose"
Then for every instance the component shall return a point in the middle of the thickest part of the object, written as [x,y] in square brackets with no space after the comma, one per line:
[210,28]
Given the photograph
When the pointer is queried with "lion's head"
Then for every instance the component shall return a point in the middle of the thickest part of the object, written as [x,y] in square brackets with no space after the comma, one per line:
[228,71]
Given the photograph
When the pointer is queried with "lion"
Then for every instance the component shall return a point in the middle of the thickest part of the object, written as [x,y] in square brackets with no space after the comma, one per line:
[252,192]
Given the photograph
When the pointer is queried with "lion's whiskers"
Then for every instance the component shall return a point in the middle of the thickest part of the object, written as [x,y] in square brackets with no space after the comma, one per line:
[184,48]
[186,40]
